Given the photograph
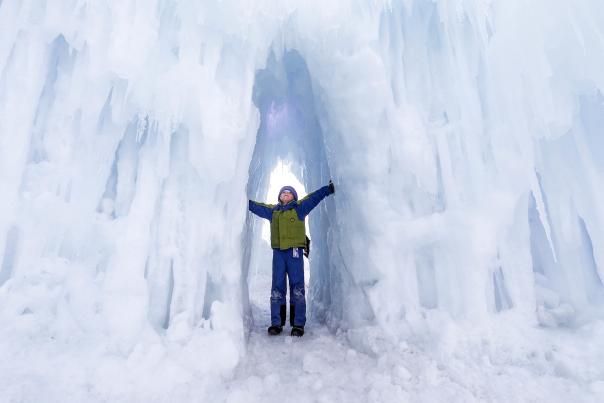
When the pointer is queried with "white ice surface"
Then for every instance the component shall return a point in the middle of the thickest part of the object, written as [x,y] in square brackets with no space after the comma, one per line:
[461,257]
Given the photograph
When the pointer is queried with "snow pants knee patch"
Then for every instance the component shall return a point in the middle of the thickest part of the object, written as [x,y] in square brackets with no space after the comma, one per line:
[277,296]
[297,294]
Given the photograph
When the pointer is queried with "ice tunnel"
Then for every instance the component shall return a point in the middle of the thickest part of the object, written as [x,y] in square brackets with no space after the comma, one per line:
[290,132]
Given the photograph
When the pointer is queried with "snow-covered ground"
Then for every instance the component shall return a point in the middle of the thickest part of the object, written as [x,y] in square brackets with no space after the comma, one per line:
[324,368]
[461,257]
[448,363]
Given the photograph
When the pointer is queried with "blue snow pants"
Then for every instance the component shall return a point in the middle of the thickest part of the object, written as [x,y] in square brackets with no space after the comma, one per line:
[290,262]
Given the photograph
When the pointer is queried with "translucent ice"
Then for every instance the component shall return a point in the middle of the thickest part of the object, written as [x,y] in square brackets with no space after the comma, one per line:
[464,138]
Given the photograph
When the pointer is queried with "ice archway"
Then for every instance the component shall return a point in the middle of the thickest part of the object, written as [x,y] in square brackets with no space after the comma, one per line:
[290,131]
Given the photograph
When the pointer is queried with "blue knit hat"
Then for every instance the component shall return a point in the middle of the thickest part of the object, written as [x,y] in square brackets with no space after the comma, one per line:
[291,189]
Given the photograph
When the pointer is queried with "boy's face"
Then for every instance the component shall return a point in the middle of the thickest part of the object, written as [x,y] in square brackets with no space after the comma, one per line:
[286,196]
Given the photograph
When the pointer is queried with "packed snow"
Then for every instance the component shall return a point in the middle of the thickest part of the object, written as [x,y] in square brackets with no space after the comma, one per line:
[460,259]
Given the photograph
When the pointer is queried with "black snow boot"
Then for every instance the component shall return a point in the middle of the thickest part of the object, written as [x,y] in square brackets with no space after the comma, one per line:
[298,331]
[283,314]
[275,330]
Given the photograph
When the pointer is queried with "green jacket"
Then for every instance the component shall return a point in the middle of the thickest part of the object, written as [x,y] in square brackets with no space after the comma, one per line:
[287,221]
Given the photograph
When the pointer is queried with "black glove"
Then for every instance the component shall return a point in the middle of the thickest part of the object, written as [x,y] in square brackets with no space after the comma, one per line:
[332,188]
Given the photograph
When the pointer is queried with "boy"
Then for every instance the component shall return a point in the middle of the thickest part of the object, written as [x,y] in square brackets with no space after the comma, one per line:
[288,238]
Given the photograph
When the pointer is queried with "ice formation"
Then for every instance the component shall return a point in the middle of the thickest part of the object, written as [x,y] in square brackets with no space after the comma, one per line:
[464,138]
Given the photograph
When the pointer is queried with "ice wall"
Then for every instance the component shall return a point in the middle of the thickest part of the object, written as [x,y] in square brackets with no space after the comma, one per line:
[464,138]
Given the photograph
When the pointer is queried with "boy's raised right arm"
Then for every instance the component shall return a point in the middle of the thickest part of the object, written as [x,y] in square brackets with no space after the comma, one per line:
[263,210]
